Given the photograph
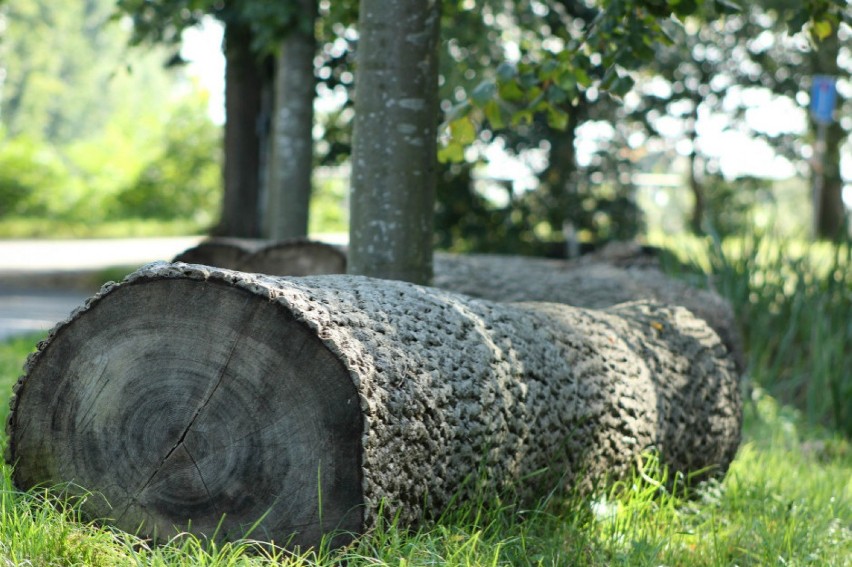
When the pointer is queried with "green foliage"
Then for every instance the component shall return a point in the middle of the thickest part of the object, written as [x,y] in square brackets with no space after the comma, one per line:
[111,146]
[730,204]
[45,48]
[164,22]
[184,179]
[27,166]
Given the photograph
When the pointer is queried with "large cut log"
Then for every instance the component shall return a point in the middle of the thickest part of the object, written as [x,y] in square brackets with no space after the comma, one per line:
[192,396]
[292,257]
[595,282]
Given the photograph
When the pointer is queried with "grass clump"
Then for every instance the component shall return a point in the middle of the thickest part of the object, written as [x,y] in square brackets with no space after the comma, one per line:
[793,303]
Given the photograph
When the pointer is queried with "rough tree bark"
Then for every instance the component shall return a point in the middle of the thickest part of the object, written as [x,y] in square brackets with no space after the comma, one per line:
[243,87]
[314,403]
[593,282]
[395,136]
[291,153]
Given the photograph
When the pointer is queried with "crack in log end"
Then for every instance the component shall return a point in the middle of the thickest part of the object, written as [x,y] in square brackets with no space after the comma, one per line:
[246,319]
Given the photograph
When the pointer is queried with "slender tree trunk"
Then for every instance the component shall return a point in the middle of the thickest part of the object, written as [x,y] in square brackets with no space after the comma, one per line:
[291,154]
[558,177]
[696,167]
[830,213]
[243,88]
[394,147]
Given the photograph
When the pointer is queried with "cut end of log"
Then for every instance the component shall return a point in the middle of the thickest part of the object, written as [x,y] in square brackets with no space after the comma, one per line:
[193,403]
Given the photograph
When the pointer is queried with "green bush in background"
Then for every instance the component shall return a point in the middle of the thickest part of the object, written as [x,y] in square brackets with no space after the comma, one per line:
[183,179]
[28,167]
[160,166]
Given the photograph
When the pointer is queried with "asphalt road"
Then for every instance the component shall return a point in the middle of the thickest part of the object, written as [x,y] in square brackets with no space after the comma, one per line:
[33,292]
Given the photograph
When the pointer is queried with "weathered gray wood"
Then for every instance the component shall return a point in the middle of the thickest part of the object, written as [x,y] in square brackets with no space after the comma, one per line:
[221,252]
[291,257]
[296,257]
[185,393]
[596,282]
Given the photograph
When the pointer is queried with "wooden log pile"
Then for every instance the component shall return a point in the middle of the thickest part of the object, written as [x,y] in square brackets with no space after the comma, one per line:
[190,395]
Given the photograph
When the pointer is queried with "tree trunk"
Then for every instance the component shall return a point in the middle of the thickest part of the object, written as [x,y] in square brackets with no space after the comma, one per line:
[243,88]
[830,214]
[291,155]
[695,175]
[394,145]
[189,396]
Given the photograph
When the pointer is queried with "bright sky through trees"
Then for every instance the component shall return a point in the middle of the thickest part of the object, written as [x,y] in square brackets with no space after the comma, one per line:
[739,154]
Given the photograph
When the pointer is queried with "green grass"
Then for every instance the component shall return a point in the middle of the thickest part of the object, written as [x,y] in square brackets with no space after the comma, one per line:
[787,499]
[28,227]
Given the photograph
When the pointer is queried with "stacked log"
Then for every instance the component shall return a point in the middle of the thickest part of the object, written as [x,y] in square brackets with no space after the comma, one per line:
[208,399]
[294,257]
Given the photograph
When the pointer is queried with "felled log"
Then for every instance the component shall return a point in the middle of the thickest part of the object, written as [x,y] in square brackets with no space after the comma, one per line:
[296,258]
[188,396]
[293,257]
[596,282]
[221,252]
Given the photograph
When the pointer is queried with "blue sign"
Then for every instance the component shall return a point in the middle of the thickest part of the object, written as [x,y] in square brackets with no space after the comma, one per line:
[823,97]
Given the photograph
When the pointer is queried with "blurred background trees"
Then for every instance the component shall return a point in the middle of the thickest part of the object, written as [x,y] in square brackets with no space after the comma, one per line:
[93,131]
[535,148]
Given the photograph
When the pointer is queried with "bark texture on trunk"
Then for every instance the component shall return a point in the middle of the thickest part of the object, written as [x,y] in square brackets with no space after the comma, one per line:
[291,155]
[186,393]
[244,82]
[586,282]
[395,136]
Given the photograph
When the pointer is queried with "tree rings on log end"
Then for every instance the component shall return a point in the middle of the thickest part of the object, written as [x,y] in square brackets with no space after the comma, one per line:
[181,402]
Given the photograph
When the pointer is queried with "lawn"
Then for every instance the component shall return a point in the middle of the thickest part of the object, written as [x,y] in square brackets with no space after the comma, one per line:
[787,499]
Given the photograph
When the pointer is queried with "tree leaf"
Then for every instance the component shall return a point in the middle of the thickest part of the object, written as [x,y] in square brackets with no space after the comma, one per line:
[463,130]
[822,29]
[483,93]
[557,119]
[511,91]
[798,20]
[622,85]
[556,94]
[451,153]
[506,72]
[728,7]
[494,114]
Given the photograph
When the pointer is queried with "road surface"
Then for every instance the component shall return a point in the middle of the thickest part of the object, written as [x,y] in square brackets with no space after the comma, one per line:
[28,301]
